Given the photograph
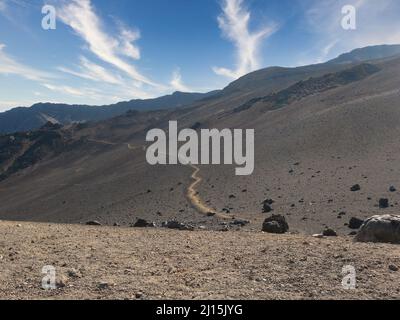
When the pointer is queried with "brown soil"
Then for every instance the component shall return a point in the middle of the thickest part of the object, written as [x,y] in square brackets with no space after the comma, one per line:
[164,264]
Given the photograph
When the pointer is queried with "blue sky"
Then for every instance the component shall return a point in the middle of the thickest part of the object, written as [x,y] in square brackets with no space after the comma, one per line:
[106,51]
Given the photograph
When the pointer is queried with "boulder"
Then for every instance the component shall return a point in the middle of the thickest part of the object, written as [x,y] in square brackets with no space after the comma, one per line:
[275,224]
[384,229]
[355,223]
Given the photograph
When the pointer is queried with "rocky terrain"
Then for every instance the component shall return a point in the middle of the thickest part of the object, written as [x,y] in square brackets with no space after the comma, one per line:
[129,263]
[83,198]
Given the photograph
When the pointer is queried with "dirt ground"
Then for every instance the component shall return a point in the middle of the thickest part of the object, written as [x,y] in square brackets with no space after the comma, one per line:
[127,263]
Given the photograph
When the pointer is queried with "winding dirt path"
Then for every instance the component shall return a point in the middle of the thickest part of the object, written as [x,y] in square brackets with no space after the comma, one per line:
[193,196]
[192,193]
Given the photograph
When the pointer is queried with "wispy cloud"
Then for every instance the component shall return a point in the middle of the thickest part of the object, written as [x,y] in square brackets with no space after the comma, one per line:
[91,71]
[377,23]
[81,17]
[177,83]
[234,23]
[9,65]
[3,5]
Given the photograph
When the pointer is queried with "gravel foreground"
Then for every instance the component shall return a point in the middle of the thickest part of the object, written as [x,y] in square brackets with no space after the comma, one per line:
[127,263]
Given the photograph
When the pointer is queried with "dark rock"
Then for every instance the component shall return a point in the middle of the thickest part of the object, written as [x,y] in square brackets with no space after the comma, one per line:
[353,233]
[240,222]
[177,226]
[275,224]
[267,208]
[328,232]
[355,223]
[93,223]
[211,214]
[383,203]
[392,189]
[355,188]
[393,268]
[232,196]
[142,223]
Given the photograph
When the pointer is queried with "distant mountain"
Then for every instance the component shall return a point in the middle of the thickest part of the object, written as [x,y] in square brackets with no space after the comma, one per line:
[367,53]
[25,119]
[277,78]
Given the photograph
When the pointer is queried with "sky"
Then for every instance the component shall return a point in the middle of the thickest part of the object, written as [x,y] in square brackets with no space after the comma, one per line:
[102,51]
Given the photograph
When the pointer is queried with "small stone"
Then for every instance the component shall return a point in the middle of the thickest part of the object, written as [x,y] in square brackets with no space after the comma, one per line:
[392,189]
[103,285]
[393,268]
[355,188]
[93,223]
[383,203]
[328,232]
[73,273]
[318,236]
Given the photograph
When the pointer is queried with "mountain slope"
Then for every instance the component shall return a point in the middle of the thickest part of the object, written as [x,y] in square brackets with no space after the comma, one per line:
[25,119]
[340,129]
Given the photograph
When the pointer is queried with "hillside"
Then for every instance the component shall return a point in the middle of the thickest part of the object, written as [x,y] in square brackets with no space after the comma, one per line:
[331,132]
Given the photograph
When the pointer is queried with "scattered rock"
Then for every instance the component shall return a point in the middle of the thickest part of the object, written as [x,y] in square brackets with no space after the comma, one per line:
[177,226]
[328,232]
[142,223]
[73,273]
[267,208]
[383,203]
[232,196]
[103,285]
[240,222]
[93,223]
[267,205]
[275,224]
[393,268]
[355,188]
[392,189]
[61,281]
[355,223]
[353,233]
[383,228]
[211,214]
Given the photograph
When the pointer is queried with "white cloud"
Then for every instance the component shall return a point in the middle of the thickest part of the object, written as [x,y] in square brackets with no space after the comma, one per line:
[80,16]
[127,38]
[377,23]
[65,89]
[3,5]
[177,83]
[91,71]
[234,23]
[8,65]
